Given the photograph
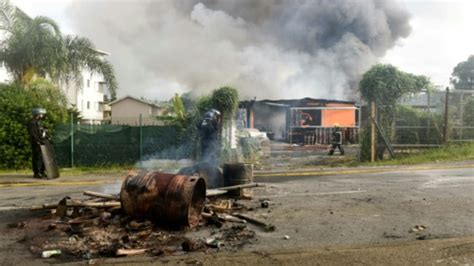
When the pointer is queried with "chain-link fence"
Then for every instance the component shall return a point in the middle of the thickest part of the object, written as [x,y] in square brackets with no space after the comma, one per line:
[424,118]
[419,119]
[97,145]
[461,115]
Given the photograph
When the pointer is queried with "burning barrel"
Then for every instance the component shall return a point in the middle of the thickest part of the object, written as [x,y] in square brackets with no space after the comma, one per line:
[238,174]
[174,201]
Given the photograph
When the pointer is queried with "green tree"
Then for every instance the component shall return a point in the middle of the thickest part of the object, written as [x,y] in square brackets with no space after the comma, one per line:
[385,85]
[36,47]
[226,100]
[463,75]
[178,108]
[16,103]
[175,113]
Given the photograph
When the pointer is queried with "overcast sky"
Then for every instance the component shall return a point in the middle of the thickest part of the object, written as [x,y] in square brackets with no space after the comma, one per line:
[441,36]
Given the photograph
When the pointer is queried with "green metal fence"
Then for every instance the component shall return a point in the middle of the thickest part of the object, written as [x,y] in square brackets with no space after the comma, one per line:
[99,145]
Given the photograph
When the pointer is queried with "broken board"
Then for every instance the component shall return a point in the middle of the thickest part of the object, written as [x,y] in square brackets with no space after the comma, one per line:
[49,160]
[215,192]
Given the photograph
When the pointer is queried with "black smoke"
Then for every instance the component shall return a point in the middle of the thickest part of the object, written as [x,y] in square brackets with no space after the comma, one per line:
[266,48]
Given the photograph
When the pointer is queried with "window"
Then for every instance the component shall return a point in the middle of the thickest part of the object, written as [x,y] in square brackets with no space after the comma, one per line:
[101,87]
[88,83]
[88,105]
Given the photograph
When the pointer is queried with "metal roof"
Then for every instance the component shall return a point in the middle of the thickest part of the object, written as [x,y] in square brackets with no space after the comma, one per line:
[307,101]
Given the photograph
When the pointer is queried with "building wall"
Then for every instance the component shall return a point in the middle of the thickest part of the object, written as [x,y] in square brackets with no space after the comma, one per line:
[345,118]
[5,77]
[89,97]
[127,112]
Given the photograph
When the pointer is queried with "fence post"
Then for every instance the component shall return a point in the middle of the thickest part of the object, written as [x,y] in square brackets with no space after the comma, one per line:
[72,140]
[446,114]
[428,123]
[461,111]
[372,131]
[141,138]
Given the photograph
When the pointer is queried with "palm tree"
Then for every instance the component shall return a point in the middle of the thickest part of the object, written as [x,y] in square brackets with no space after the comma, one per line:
[37,47]
[80,53]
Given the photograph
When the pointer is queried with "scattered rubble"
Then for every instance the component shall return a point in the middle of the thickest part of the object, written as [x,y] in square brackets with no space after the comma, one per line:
[151,216]
[50,253]
[417,229]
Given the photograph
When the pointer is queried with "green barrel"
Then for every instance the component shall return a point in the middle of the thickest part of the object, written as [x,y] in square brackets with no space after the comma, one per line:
[238,174]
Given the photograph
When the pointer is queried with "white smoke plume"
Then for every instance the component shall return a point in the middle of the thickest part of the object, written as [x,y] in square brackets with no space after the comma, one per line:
[266,48]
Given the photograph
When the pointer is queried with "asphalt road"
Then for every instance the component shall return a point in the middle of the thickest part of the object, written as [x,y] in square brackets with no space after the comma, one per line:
[327,215]
[371,208]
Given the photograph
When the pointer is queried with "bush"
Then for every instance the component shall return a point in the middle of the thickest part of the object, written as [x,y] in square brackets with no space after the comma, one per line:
[16,103]
[415,124]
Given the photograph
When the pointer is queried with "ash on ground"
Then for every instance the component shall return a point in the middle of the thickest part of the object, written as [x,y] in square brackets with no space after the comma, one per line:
[85,233]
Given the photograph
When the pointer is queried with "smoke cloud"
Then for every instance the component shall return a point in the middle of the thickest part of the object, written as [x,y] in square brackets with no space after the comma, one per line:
[267,48]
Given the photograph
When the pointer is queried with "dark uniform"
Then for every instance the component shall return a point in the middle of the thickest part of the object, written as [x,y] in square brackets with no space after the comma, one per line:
[37,137]
[337,141]
[209,132]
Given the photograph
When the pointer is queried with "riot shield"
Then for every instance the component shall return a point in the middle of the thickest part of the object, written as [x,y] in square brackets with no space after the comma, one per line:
[49,160]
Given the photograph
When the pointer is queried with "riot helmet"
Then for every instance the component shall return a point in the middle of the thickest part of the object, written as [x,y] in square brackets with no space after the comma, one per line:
[38,111]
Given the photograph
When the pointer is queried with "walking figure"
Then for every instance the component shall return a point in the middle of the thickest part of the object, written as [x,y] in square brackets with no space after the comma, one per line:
[336,140]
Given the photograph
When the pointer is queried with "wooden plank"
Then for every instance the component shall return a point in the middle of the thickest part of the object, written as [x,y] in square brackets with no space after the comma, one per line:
[100,195]
[215,192]
[250,185]
[108,204]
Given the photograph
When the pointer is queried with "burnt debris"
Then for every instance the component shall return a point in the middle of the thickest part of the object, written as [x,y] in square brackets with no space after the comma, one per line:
[155,214]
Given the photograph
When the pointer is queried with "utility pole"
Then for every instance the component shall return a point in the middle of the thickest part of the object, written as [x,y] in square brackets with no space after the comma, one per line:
[140,119]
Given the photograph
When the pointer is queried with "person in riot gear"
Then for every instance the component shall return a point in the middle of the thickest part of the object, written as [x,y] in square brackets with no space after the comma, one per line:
[209,133]
[336,140]
[38,136]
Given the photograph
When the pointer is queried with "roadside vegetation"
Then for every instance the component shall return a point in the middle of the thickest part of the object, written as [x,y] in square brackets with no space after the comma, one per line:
[119,170]
[39,59]
[448,153]
[385,85]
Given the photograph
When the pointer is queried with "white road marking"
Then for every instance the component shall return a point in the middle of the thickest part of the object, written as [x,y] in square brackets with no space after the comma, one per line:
[447,182]
[316,193]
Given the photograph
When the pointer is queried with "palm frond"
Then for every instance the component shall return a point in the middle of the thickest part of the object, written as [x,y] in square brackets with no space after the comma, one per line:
[82,53]
[47,23]
[7,15]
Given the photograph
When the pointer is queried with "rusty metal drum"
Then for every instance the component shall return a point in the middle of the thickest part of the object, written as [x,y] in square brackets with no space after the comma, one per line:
[173,201]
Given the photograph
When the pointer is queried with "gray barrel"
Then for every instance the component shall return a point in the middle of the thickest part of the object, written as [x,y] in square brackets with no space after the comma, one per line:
[238,174]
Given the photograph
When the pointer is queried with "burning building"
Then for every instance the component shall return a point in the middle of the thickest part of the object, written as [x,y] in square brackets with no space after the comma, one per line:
[304,121]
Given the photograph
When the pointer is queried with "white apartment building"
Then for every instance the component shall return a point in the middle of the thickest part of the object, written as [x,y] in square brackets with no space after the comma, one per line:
[88,96]
[5,77]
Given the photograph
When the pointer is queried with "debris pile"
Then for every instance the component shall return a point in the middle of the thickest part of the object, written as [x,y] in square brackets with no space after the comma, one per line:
[156,214]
